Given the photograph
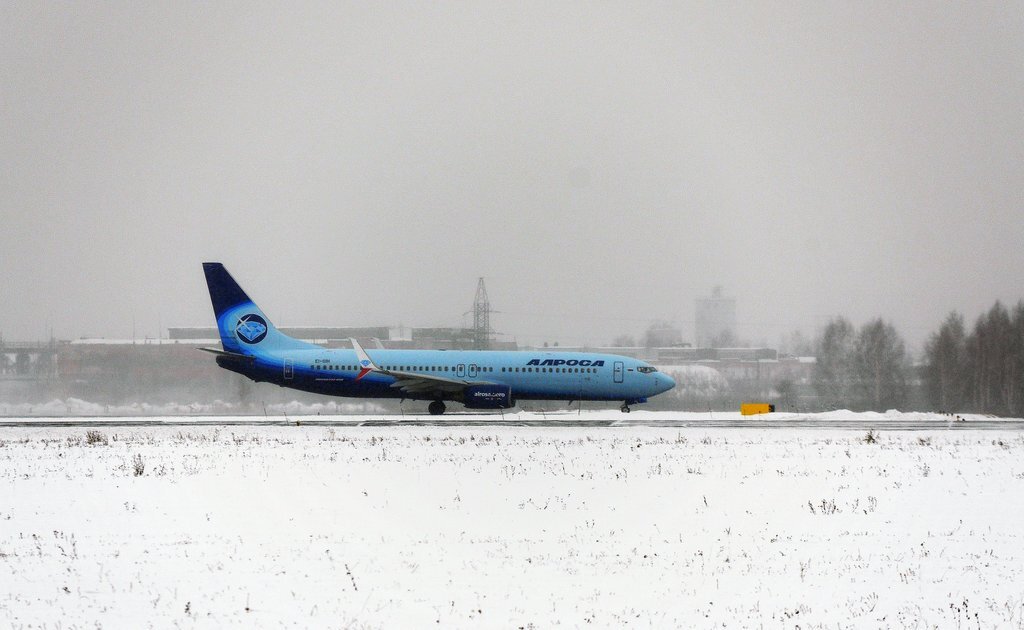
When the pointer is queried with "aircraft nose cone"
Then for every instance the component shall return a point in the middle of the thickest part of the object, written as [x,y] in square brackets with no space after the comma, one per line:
[665,382]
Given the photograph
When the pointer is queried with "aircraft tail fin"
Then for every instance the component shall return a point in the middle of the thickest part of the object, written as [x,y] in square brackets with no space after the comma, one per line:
[243,327]
[224,291]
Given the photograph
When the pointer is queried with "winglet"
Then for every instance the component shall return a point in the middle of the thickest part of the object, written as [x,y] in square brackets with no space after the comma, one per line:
[366,364]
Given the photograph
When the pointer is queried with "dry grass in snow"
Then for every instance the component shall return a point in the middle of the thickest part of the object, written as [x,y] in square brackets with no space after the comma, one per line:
[510,527]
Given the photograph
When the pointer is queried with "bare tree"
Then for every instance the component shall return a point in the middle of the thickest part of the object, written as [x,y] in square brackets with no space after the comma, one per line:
[995,361]
[946,365]
[989,356]
[833,373]
[1015,401]
[880,366]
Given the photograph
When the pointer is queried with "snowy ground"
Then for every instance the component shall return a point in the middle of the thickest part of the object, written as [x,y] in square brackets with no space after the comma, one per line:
[510,527]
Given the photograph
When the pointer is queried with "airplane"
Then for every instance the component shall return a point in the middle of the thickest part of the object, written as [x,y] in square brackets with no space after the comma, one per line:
[479,379]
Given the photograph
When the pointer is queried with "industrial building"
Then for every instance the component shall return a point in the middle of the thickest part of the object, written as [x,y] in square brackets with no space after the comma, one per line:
[715,320]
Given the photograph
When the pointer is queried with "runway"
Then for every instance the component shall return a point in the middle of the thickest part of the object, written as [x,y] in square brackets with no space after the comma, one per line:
[829,421]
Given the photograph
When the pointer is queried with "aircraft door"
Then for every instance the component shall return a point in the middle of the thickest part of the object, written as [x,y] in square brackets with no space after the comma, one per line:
[471,372]
[460,369]
[289,369]
[617,372]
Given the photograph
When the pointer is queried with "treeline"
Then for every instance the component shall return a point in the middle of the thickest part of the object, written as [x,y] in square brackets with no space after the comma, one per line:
[866,368]
[982,371]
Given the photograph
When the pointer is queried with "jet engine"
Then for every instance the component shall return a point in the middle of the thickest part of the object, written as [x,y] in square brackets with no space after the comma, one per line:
[488,397]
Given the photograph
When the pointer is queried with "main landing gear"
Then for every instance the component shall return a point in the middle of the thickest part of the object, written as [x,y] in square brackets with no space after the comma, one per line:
[436,408]
[624,408]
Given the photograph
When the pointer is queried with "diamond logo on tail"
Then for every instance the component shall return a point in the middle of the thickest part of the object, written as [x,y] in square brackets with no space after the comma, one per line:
[251,328]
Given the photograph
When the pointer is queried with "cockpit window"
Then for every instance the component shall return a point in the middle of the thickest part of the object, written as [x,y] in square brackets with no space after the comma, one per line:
[646,369]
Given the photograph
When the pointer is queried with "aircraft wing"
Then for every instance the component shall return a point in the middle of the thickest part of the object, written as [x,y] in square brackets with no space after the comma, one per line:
[412,382]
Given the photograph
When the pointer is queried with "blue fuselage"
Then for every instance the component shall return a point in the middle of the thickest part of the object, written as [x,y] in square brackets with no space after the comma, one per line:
[530,375]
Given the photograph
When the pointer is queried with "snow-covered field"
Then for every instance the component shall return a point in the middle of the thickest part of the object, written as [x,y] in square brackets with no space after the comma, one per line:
[510,527]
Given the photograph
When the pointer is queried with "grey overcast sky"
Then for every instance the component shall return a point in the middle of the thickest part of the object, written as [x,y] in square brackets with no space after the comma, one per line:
[601,164]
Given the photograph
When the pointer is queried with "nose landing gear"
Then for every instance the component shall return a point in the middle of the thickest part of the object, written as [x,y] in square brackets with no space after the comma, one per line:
[624,408]
[436,408]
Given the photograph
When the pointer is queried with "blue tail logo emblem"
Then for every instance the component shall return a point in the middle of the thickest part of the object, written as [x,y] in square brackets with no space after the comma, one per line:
[251,328]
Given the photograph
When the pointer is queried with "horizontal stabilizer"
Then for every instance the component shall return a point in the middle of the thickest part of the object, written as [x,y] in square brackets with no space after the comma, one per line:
[230,356]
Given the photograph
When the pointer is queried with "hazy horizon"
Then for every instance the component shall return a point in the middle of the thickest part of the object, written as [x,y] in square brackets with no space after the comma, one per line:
[601,165]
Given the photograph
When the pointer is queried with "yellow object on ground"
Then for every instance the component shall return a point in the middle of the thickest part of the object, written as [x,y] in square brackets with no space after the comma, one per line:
[750,409]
